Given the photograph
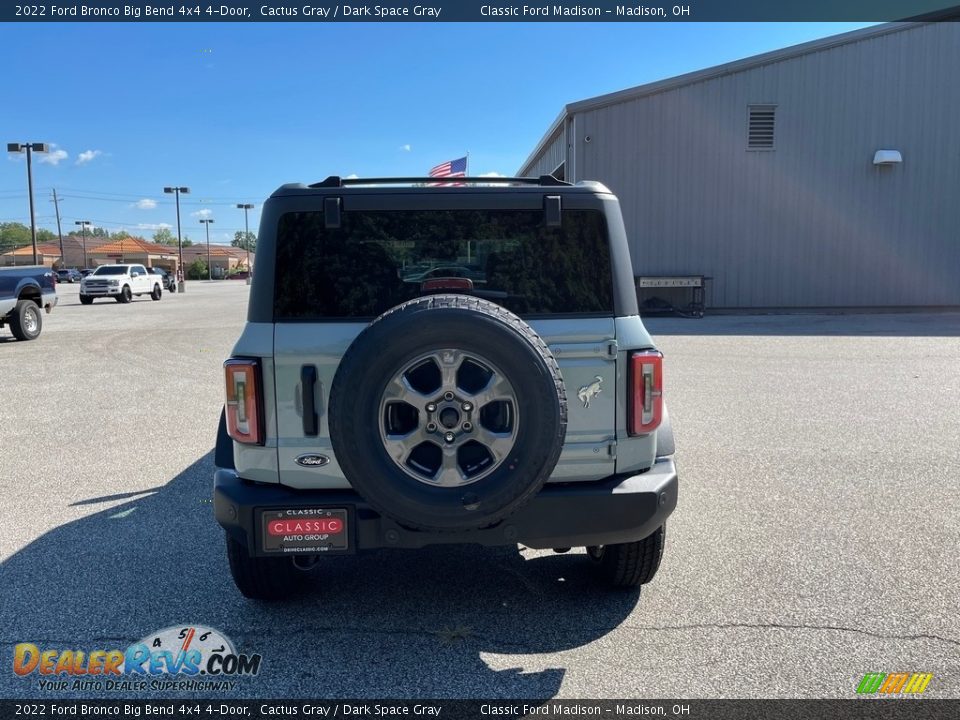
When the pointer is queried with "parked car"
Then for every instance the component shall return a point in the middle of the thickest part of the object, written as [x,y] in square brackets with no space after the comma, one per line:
[121,282]
[24,291]
[164,276]
[69,275]
[241,275]
[447,271]
[86,271]
[364,412]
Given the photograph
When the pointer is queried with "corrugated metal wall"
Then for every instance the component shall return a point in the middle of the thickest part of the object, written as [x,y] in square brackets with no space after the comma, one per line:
[552,156]
[812,222]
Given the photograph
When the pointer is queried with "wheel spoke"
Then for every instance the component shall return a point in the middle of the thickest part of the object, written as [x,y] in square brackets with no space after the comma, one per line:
[449,362]
[499,444]
[399,446]
[498,388]
[399,390]
[449,474]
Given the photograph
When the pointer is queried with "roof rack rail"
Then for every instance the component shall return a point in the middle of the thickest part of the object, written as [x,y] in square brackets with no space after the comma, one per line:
[335,181]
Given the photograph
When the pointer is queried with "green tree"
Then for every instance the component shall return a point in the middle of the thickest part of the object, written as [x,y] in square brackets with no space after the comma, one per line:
[120,235]
[241,238]
[13,235]
[163,236]
[197,270]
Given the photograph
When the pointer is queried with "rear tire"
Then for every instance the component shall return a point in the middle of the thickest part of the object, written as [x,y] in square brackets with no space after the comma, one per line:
[125,295]
[263,578]
[632,564]
[157,292]
[27,320]
[86,300]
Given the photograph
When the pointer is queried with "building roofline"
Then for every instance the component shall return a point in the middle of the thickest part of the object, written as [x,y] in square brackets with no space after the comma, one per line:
[754,61]
[548,137]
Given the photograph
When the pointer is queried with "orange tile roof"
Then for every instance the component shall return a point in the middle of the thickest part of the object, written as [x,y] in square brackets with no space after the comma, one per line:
[134,245]
[42,249]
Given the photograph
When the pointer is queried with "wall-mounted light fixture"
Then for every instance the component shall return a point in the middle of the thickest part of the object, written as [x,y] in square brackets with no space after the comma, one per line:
[887,157]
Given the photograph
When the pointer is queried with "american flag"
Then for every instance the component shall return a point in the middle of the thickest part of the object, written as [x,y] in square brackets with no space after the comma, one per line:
[450,168]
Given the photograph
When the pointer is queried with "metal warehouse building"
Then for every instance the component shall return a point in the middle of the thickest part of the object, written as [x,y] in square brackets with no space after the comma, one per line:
[767,175]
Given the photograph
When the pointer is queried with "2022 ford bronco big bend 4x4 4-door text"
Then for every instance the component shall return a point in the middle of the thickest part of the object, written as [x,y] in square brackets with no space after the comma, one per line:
[429,364]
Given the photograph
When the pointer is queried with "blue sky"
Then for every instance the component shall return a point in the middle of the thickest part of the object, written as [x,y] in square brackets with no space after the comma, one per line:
[234,110]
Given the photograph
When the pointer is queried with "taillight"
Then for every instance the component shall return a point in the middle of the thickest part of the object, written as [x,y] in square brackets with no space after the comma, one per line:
[244,401]
[645,404]
[436,284]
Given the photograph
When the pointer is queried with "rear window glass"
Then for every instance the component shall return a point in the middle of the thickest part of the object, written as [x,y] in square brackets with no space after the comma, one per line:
[111,270]
[377,260]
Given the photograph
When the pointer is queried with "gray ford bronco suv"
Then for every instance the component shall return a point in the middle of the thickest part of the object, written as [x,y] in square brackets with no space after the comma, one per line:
[427,364]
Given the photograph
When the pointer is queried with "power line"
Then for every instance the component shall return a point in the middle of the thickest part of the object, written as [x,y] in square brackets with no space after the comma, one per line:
[92,194]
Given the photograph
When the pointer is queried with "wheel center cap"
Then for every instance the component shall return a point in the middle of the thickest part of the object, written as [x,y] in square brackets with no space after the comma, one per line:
[449,417]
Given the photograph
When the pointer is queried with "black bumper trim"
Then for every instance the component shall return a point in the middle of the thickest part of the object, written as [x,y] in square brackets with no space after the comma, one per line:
[621,509]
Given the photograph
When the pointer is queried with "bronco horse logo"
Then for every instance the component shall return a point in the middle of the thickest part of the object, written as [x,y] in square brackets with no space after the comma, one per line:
[588,392]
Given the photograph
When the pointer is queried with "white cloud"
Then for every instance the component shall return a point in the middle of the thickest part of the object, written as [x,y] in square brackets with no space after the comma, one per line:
[352,176]
[490,175]
[206,212]
[55,156]
[154,226]
[406,148]
[145,204]
[88,155]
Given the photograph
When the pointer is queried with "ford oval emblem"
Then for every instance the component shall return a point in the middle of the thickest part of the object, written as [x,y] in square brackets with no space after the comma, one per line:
[312,460]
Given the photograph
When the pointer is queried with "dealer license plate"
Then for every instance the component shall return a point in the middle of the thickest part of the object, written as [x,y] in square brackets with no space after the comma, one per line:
[309,531]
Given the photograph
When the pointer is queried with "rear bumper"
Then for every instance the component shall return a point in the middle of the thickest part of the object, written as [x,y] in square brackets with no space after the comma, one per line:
[621,509]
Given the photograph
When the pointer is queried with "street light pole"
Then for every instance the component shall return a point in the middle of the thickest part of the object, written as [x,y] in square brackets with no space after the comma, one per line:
[83,224]
[30,148]
[246,236]
[181,285]
[206,222]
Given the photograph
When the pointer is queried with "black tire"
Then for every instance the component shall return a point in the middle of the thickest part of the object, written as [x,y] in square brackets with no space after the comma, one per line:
[86,300]
[632,564]
[157,293]
[26,321]
[397,338]
[263,578]
[125,295]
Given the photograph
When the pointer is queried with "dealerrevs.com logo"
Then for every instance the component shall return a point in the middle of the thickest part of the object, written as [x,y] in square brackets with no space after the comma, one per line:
[181,657]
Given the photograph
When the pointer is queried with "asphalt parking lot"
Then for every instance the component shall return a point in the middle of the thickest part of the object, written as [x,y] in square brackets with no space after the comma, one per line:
[816,537]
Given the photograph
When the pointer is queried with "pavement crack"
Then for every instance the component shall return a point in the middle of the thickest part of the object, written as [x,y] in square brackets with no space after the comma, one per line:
[798,626]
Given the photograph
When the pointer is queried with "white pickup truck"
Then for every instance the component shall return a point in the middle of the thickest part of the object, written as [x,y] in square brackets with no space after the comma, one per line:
[120,282]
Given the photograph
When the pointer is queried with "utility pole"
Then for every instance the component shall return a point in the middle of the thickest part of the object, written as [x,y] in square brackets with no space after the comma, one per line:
[84,224]
[206,222]
[246,226]
[56,205]
[181,284]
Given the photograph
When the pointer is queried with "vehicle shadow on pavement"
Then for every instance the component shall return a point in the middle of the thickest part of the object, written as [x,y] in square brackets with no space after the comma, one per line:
[388,624]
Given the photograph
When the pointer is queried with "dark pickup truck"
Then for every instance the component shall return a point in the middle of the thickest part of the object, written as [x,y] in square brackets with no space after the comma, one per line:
[23,292]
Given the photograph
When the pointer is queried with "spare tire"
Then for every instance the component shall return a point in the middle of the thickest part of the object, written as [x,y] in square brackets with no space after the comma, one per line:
[447,413]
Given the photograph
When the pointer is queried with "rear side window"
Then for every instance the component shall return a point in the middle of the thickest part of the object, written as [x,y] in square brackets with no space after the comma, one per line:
[378,259]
